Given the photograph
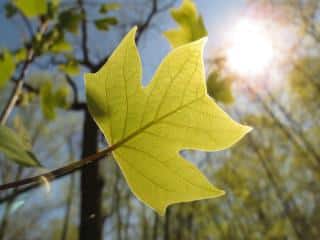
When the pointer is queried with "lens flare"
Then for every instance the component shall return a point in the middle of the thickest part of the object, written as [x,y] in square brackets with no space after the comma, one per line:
[251,50]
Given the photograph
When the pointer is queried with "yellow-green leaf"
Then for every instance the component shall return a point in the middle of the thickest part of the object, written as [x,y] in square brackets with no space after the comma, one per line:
[47,101]
[61,46]
[219,88]
[51,99]
[7,67]
[71,67]
[15,149]
[61,97]
[20,55]
[106,7]
[32,8]
[104,24]
[191,25]
[149,126]
[70,20]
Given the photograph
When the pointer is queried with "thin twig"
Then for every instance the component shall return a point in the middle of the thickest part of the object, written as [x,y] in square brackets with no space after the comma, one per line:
[6,214]
[76,105]
[27,23]
[20,81]
[141,29]
[84,36]
[74,89]
[65,227]
[59,172]
[145,25]
[16,90]
[36,181]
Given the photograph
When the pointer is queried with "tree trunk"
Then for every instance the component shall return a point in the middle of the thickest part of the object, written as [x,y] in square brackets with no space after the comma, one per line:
[91,186]
[155,227]
[166,226]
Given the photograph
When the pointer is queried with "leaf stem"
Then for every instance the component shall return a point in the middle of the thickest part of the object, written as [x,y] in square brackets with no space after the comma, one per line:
[59,172]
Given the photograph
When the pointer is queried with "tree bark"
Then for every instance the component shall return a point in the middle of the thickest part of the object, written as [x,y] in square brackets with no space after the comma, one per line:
[91,185]
[166,225]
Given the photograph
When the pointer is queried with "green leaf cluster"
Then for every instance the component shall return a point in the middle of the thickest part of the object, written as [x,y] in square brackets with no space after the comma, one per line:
[12,146]
[72,67]
[303,77]
[10,10]
[51,99]
[104,23]
[191,25]
[69,20]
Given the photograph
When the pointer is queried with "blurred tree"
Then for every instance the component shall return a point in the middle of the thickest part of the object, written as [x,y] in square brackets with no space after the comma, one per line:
[271,178]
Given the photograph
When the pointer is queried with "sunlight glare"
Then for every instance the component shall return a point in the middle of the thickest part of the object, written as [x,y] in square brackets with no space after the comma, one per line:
[251,50]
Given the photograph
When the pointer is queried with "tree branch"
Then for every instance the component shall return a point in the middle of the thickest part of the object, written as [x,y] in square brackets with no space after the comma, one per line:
[18,87]
[84,36]
[16,90]
[145,25]
[141,29]
[74,89]
[34,182]
[59,172]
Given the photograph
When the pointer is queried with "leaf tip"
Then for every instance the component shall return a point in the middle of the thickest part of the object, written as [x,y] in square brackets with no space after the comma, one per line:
[219,193]
[134,28]
[247,129]
[201,42]
[214,193]
[35,162]
[133,31]
[204,40]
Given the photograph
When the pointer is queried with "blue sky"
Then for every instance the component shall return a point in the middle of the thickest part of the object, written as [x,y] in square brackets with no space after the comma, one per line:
[218,16]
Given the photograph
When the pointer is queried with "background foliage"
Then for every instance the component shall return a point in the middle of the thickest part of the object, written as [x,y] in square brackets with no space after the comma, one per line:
[271,177]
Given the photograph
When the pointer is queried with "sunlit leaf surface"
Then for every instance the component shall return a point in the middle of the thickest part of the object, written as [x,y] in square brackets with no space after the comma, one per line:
[191,25]
[148,126]
[7,68]
[32,8]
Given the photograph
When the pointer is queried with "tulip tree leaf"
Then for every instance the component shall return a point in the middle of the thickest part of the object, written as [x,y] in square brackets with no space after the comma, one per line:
[148,126]
[15,149]
[191,25]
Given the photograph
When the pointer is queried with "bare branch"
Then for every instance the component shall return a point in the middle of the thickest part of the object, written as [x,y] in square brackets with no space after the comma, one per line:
[84,36]
[141,29]
[17,89]
[74,89]
[59,172]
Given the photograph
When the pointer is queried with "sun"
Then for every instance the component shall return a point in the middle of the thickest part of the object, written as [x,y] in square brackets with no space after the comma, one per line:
[250,52]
